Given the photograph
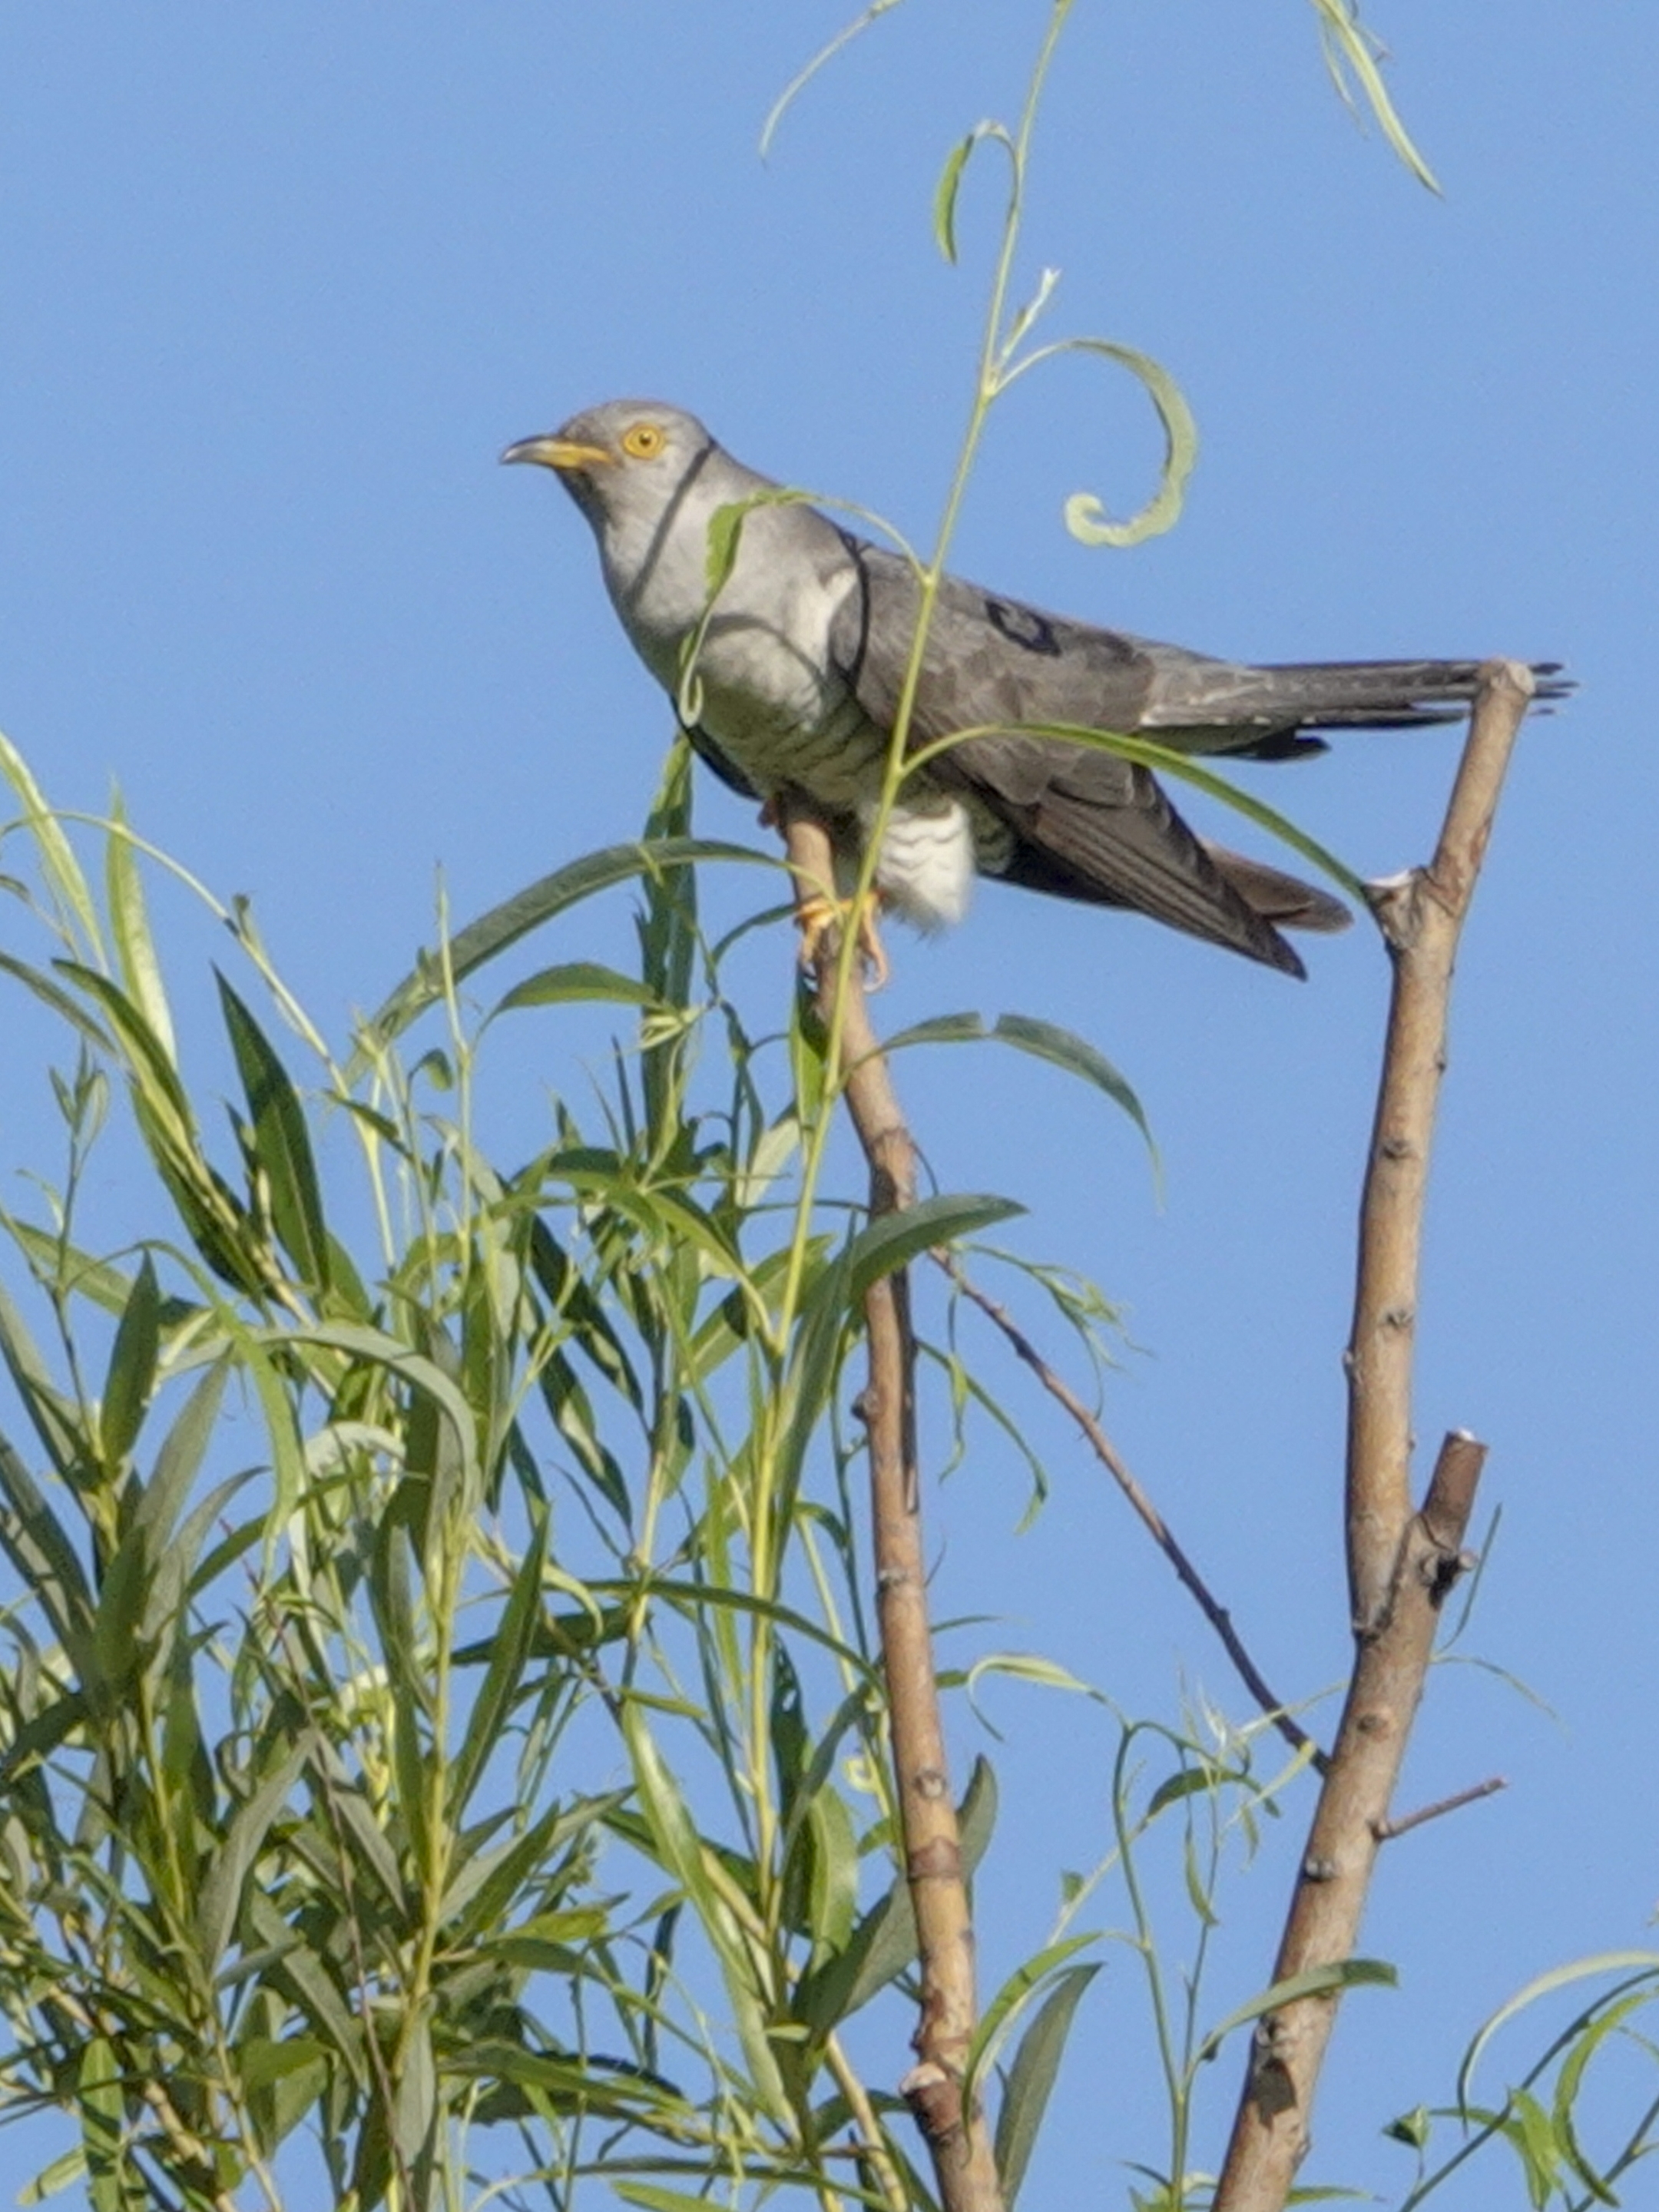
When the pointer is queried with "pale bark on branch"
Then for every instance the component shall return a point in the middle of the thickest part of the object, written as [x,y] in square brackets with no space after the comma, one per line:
[1400,1565]
[958,2141]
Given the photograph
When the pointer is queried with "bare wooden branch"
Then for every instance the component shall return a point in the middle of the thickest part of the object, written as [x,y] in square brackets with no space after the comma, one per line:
[959,2141]
[1270,2135]
[1401,1565]
[1151,1519]
[1421,916]
[1388,1830]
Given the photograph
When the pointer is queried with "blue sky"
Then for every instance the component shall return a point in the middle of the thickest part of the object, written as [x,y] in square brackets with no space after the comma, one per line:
[276,287]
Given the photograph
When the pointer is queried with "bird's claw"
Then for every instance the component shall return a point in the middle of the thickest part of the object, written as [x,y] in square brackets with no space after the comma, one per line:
[820,919]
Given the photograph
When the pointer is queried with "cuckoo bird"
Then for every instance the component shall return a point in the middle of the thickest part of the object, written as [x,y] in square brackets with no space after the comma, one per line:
[802,661]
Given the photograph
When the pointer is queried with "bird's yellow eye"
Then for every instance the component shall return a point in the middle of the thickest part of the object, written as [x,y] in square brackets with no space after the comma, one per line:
[643,441]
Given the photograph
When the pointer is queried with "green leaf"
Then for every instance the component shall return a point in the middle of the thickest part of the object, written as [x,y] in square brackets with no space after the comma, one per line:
[578,1305]
[102,2108]
[416,2108]
[1348,45]
[144,1584]
[1085,515]
[55,1419]
[1559,1978]
[1012,1999]
[1031,2077]
[577,979]
[44,1558]
[894,1240]
[883,1943]
[53,996]
[1065,1048]
[57,861]
[1570,2080]
[1528,2129]
[51,2178]
[571,2085]
[131,1374]
[135,947]
[832,1894]
[288,1458]
[1317,1982]
[149,1062]
[491,935]
[411,1367]
[723,543]
[654,2199]
[282,1144]
[233,1861]
[949,184]
[510,1649]
[682,1852]
[485,1893]
[1413,2128]
[816,1362]
[1061,1048]
[283,2080]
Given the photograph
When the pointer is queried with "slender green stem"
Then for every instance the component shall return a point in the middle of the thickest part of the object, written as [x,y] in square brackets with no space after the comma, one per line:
[898,764]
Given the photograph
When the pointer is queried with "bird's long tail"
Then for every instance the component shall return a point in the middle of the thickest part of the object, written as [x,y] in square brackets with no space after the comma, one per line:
[1216,705]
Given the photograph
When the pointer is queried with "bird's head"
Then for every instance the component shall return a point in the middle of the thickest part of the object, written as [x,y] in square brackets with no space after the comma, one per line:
[623,460]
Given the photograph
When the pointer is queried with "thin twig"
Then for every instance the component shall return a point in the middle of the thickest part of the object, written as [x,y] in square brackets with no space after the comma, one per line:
[1156,1526]
[1385,1830]
[959,2141]
[1401,1565]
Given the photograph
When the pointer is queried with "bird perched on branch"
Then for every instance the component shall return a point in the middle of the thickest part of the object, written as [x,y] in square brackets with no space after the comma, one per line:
[801,665]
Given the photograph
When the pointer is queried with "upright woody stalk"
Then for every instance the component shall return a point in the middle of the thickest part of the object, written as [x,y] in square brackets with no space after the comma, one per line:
[959,2141]
[1401,1564]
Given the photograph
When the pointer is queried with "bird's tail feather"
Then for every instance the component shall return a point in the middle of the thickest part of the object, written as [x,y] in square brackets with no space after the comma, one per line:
[1191,696]
[1284,900]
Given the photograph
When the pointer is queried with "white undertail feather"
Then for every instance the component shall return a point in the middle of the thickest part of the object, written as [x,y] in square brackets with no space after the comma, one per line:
[926,869]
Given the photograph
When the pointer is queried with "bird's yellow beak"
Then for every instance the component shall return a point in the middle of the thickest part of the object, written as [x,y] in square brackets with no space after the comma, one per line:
[559,453]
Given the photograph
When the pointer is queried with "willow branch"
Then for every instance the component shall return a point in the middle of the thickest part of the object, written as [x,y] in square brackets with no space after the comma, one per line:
[1421,918]
[1400,1565]
[959,2140]
[1151,1519]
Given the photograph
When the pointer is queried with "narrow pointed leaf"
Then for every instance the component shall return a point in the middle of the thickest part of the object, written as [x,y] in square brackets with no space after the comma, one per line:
[895,1239]
[1061,1048]
[54,995]
[681,1850]
[578,980]
[883,1943]
[135,946]
[493,933]
[511,1648]
[1031,2077]
[132,1361]
[61,868]
[282,1143]
[1317,1982]
[1559,1978]
[1012,1999]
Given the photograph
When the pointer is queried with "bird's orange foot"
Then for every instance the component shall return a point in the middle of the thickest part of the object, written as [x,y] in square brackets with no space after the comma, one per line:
[820,920]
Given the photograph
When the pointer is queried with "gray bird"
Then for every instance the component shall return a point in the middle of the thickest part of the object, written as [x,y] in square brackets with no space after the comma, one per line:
[803,659]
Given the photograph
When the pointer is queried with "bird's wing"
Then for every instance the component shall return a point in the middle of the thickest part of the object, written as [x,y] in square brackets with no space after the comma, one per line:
[1082,823]
[987,659]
